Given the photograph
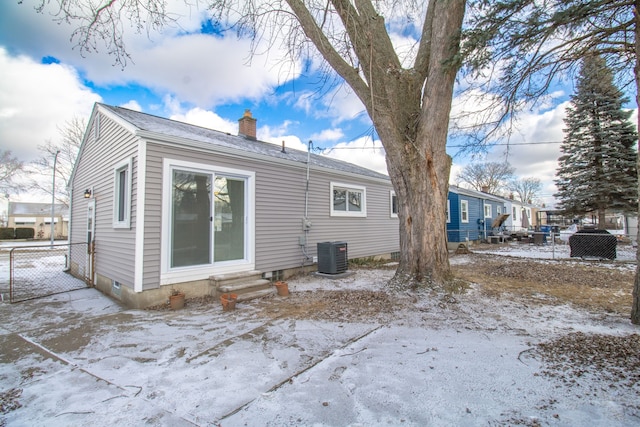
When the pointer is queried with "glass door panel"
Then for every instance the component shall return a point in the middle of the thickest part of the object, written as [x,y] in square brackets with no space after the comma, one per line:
[190,219]
[229,218]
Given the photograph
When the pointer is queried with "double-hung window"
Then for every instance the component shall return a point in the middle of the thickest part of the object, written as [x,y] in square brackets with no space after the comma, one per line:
[122,194]
[464,211]
[348,200]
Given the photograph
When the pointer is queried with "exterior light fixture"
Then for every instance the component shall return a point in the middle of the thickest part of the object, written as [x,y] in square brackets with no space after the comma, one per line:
[87,193]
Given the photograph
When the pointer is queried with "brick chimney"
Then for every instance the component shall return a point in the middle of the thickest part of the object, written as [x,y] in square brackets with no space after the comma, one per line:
[247,125]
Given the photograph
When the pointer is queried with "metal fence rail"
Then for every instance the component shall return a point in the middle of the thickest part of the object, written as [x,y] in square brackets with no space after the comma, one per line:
[37,271]
[584,244]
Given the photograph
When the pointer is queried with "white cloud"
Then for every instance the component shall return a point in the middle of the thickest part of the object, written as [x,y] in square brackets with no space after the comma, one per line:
[535,160]
[406,48]
[35,99]
[279,135]
[207,119]
[327,135]
[198,69]
[303,101]
[362,152]
[341,104]
[132,105]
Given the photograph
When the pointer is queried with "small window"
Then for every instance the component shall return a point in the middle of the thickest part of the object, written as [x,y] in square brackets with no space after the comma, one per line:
[122,195]
[515,211]
[25,221]
[498,210]
[487,211]
[464,211]
[393,201]
[448,211]
[347,200]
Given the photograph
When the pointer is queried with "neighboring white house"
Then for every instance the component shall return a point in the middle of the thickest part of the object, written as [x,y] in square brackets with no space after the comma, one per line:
[521,218]
[38,217]
[171,205]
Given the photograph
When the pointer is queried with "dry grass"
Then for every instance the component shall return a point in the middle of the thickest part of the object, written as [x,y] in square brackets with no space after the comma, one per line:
[352,306]
[595,287]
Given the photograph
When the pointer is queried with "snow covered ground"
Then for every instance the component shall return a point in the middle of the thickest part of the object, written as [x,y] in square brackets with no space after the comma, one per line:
[80,359]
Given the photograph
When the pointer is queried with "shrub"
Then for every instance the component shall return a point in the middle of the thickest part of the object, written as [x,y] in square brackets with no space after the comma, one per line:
[25,233]
[7,233]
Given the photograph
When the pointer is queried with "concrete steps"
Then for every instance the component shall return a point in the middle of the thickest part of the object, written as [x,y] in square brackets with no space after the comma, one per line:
[247,285]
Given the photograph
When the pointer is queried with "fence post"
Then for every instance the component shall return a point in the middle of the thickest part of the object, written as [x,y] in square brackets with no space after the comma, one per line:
[11,274]
[93,263]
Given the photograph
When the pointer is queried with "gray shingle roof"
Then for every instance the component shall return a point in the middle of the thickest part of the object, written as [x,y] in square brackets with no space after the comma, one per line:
[173,128]
[37,209]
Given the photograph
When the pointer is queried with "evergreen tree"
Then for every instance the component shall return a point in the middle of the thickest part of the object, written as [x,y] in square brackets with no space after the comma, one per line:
[597,169]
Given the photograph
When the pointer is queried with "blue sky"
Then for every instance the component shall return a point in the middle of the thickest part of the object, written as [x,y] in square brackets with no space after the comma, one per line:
[195,74]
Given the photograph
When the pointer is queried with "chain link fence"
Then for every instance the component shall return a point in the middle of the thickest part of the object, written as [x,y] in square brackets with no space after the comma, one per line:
[587,244]
[29,272]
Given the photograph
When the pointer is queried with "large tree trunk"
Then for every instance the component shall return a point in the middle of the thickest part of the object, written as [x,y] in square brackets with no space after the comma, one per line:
[415,143]
[635,309]
[410,109]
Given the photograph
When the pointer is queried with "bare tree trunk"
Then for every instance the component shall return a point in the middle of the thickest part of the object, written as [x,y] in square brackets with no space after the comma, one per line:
[410,109]
[635,309]
[418,163]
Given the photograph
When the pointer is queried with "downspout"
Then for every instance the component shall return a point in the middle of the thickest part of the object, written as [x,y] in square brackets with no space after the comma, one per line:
[306,224]
[306,191]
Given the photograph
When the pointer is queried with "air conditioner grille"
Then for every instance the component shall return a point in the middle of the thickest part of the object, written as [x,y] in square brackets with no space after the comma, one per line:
[332,257]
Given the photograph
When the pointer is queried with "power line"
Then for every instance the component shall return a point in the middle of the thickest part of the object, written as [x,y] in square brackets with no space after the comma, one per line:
[511,144]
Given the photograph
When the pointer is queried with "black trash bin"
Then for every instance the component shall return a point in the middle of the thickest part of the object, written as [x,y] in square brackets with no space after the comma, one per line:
[593,243]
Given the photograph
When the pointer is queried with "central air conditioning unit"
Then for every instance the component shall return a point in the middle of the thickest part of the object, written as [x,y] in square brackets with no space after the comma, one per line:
[332,257]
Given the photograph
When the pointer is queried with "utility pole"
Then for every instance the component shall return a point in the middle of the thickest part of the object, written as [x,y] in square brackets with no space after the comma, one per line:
[53,197]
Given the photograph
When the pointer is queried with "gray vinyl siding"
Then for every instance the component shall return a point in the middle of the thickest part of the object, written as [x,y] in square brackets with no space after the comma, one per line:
[280,183]
[279,209]
[115,257]
[152,219]
[375,234]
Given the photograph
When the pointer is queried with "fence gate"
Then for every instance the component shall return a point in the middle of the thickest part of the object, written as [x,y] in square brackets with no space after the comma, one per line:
[39,271]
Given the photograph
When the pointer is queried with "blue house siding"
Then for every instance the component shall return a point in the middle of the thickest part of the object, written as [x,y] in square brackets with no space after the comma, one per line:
[458,231]
[478,227]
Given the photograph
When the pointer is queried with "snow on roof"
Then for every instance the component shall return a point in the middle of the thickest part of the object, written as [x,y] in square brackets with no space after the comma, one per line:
[38,209]
[198,134]
[474,193]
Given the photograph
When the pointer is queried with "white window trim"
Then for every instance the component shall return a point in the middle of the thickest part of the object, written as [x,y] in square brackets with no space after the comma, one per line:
[170,275]
[448,211]
[487,212]
[464,208]
[362,213]
[392,194]
[128,166]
